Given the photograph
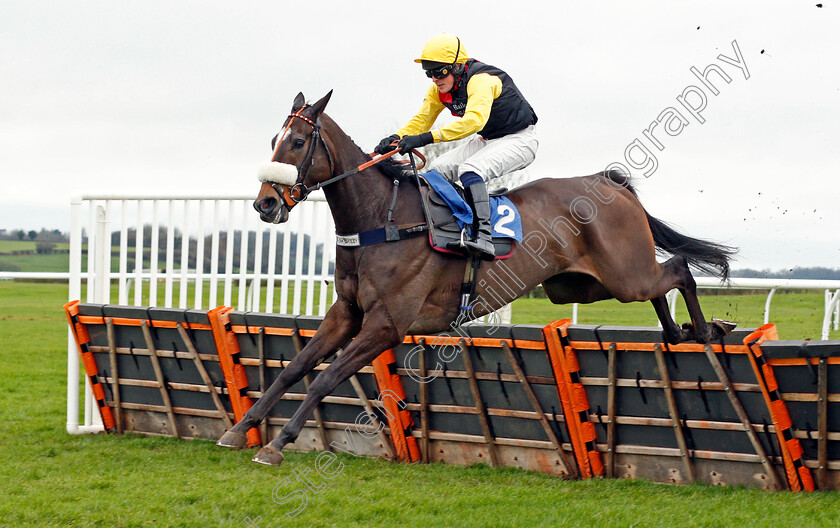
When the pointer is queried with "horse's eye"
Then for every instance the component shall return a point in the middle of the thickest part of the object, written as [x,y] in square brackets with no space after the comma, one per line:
[298,143]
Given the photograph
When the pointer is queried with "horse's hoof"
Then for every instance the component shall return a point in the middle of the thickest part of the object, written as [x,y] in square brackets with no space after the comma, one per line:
[723,327]
[269,456]
[233,440]
[687,332]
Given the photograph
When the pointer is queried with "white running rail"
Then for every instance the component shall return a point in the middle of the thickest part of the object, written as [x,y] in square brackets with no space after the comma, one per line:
[831,306]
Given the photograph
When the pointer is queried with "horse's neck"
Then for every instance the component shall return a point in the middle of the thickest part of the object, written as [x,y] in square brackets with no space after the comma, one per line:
[360,202]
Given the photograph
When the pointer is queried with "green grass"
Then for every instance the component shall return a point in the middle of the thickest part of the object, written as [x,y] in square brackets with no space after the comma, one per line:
[796,315]
[49,478]
[7,246]
[58,262]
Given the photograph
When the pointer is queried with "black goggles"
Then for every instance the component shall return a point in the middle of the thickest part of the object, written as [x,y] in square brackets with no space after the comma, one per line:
[439,73]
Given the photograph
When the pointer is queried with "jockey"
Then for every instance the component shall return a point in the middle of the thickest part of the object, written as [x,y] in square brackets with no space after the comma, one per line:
[491,109]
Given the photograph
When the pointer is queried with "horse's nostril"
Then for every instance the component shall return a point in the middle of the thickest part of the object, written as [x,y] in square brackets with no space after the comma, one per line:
[268,204]
[265,205]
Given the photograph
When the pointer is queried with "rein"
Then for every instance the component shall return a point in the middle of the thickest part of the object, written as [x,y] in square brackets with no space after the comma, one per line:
[299,191]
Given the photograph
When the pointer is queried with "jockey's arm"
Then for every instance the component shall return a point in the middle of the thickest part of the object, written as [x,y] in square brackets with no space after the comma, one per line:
[426,116]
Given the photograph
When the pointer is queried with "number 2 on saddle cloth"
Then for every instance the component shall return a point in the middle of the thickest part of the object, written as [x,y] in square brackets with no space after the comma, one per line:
[450,217]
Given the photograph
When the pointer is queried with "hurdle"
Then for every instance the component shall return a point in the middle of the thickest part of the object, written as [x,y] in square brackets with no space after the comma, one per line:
[574,401]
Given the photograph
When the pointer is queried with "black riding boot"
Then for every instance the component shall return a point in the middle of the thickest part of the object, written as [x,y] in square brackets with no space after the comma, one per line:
[479,201]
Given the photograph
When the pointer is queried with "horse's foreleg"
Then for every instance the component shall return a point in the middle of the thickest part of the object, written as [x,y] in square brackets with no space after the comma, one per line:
[340,324]
[372,340]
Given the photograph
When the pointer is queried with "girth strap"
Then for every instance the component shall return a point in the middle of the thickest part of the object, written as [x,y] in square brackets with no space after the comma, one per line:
[389,233]
[468,289]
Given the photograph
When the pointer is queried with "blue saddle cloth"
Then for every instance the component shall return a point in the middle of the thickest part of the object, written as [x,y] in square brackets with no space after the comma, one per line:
[504,216]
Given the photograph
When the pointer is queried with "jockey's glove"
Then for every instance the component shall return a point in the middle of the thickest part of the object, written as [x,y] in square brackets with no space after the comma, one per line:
[412,142]
[384,146]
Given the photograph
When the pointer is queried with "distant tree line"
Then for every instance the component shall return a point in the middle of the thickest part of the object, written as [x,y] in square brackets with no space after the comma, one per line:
[819,273]
[43,235]
[45,241]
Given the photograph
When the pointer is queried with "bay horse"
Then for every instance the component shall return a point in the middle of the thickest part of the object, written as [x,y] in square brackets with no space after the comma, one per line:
[585,239]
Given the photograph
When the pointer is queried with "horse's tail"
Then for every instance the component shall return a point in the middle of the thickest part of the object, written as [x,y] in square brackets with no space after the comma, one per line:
[711,257]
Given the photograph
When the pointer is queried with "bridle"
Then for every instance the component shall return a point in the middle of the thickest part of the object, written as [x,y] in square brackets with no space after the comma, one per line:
[299,191]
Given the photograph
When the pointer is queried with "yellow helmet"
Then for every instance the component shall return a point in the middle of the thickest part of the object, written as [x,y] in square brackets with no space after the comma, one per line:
[444,48]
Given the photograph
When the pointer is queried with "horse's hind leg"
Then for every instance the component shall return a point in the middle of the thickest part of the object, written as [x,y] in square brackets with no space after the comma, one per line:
[339,325]
[673,333]
[373,339]
[676,269]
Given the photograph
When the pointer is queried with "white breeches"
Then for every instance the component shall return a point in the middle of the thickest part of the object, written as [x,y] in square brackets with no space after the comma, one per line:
[489,158]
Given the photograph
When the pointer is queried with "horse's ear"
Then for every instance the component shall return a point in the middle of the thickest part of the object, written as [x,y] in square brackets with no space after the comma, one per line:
[300,100]
[318,107]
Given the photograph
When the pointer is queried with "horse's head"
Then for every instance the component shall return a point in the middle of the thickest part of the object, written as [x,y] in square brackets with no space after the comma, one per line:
[301,160]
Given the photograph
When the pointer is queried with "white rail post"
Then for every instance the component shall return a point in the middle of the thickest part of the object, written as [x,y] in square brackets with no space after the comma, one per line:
[138,256]
[830,306]
[326,255]
[169,262]
[767,305]
[123,262]
[243,260]
[102,292]
[214,256]
[153,254]
[199,257]
[231,233]
[298,263]
[270,272]
[75,288]
[183,291]
[672,302]
[310,262]
[102,261]
[284,270]
[92,420]
[254,301]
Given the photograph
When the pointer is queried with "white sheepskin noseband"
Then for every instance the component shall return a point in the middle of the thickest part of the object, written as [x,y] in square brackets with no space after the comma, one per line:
[274,172]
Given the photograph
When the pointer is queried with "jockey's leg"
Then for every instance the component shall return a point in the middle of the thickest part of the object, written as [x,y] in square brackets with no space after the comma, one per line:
[447,163]
[479,200]
[503,155]
[498,157]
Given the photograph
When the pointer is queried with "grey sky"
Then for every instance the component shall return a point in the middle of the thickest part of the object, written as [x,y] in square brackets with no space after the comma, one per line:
[132,96]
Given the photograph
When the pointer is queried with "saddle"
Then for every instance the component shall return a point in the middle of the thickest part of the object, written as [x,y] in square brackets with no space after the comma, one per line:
[448,221]
[448,230]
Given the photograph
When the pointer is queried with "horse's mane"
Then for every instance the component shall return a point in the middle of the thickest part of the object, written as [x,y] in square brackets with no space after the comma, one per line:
[622,179]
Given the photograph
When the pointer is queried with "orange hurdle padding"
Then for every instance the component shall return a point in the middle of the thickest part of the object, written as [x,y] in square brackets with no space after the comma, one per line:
[798,476]
[580,404]
[557,356]
[237,382]
[82,337]
[399,420]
